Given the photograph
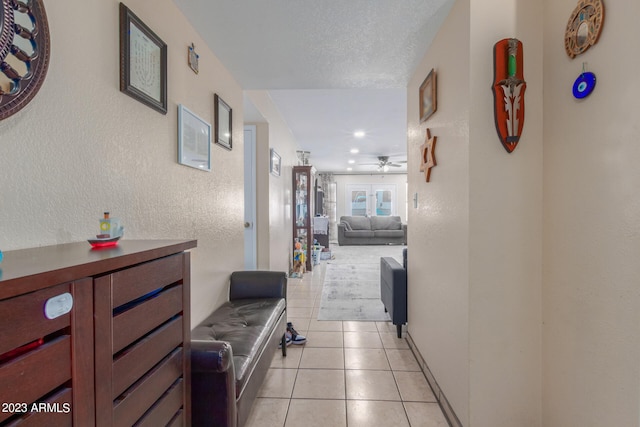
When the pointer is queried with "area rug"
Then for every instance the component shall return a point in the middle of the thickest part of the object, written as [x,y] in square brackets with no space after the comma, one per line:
[351,288]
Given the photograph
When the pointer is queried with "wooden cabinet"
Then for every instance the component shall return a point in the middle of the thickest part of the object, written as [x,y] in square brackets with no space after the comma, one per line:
[118,355]
[303,177]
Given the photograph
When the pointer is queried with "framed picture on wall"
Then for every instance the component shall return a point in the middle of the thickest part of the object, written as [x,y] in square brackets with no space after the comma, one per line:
[428,96]
[275,163]
[222,123]
[194,140]
[143,62]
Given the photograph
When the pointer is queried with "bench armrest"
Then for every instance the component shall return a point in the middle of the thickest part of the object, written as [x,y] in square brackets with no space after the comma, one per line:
[257,284]
[213,383]
[211,356]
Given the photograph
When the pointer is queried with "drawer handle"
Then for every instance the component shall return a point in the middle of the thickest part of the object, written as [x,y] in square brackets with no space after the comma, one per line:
[58,306]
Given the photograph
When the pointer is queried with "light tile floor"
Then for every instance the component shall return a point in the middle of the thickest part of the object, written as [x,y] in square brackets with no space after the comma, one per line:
[347,374]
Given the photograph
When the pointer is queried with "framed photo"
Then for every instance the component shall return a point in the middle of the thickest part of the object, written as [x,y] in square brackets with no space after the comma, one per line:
[222,119]
[275,163]
[194,140]
[428,96]
[143,62]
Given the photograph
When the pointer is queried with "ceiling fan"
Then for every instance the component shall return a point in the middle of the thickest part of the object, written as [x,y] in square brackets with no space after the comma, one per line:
[384,163]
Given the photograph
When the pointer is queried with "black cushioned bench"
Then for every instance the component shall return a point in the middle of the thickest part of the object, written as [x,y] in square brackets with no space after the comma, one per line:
[232,349]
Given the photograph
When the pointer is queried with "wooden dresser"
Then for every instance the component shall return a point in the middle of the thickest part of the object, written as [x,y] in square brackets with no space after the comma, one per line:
[96,337]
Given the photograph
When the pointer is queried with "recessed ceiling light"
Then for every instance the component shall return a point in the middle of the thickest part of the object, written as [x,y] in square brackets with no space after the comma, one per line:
[351,162]
[359,134]
[354,151]
[349,169]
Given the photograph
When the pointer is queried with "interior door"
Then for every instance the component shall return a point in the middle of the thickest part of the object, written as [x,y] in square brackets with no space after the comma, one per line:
[250,232]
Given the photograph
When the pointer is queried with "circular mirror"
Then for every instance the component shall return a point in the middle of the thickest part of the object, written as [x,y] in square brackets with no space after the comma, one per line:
[24,53]
[582,34]
[584,27]
[6,28]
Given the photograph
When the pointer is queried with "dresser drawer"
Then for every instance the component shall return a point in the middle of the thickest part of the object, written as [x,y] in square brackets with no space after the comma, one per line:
[29,377]
[24,321]
[142,279]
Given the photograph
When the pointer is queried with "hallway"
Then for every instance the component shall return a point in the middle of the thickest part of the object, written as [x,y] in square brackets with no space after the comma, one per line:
[347,374]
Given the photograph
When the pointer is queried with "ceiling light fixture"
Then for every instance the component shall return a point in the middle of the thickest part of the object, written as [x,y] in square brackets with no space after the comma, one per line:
[359,134]
[349,169]
[354,151]
[351,162]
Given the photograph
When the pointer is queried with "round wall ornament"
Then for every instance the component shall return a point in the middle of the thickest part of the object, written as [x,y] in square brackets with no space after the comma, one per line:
[24,53]
[584,85]
[584,27]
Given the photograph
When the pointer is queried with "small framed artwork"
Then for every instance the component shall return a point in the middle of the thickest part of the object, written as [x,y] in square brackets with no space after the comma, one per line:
[428,96]
[222,122]
[275,163]
[143,62]
[194,140]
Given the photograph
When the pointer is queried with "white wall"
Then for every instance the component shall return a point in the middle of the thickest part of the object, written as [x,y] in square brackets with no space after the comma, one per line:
[275,229]
[591,298]
[505,227]
[438,232]
[475,304]
[82,147]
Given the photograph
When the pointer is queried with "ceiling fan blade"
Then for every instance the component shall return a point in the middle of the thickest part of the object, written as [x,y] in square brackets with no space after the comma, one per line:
[393,164]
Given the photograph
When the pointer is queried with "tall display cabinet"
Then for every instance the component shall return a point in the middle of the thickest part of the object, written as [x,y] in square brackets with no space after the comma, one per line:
[303,177]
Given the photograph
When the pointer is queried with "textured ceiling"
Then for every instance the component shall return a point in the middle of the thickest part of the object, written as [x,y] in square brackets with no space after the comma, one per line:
[333,66]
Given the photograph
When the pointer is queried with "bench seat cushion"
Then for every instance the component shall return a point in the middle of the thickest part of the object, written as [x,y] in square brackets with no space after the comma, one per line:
[246,324]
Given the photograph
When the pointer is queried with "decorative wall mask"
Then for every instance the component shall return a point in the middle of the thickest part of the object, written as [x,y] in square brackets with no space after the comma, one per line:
[584,27]
[427,156]
[24,53]
[508,91]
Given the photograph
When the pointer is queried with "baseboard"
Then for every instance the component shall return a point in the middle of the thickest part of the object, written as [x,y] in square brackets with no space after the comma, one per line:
[447,410]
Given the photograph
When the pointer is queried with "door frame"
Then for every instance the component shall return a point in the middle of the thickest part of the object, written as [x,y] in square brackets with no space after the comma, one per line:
[250,195]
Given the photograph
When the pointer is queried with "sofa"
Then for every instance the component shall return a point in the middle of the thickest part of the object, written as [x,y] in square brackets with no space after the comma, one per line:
[374,230]
[393,289]
[232,349]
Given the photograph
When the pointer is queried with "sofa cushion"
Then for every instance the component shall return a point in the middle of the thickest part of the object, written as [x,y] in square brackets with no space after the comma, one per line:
[358,233]
[386,223]
[357,222]
[390,234]
[246,324]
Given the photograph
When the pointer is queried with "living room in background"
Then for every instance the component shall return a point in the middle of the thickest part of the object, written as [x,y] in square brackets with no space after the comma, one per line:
[371,200]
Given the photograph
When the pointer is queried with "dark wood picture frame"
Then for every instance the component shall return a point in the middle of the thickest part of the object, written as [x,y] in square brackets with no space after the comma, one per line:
[143,62]
[428,100]
[222,123]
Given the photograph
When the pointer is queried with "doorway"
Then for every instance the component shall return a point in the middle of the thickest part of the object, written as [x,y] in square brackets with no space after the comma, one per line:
[250,232]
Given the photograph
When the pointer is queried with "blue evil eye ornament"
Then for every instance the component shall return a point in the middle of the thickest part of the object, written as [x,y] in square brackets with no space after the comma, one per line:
[584,84]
